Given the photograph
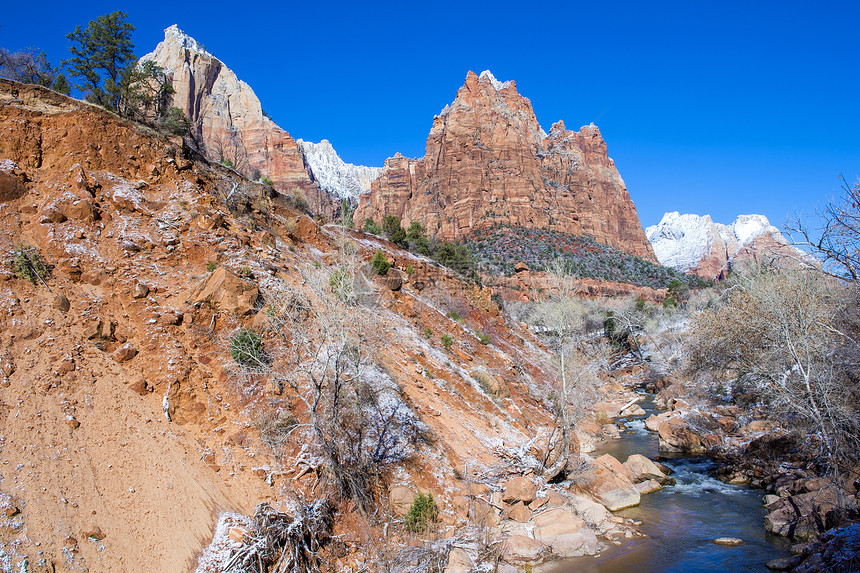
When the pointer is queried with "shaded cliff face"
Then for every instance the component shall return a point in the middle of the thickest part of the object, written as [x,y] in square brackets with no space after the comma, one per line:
[228,118]
[488,162]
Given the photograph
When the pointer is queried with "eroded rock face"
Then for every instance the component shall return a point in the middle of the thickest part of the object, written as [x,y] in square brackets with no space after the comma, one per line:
[228,118]
[488,162]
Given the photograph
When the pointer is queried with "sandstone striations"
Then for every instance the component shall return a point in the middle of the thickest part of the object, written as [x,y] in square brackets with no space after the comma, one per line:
[488,162]
[228,119]
[695,244]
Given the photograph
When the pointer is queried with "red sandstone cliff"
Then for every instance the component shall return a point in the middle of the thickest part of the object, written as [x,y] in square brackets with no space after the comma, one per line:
[488,162]
[228,119]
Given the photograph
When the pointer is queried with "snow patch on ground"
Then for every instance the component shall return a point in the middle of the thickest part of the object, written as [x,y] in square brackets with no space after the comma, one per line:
[218,553]
[339,179]
[7,165]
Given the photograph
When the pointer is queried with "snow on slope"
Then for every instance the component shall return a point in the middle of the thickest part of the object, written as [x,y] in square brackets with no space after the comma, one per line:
[340,179]
[682,241]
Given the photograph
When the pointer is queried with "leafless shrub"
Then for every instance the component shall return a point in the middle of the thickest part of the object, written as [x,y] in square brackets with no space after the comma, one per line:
[282,543]
[785,342]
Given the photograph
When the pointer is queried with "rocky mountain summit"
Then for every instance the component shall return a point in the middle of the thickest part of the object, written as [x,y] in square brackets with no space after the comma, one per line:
[228,118]
[488,162]
[695,244]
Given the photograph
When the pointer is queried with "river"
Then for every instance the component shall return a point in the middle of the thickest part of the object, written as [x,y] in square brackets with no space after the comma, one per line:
[681,521]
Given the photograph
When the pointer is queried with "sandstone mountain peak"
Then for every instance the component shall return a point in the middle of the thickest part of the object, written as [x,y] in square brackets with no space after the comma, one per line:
[488,75]
[488,162]
[173,35]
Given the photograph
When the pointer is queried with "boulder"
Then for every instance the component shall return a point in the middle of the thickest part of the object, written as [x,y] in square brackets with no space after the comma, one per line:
[519,512]
[676,436]
[61,303]
[728,541]
[483,513]
[459,561]
[802,516]
[592,512]
[583,542]
[227,293]
[392,279]
[140,290]
[519,489]
[648,486]
[653,421]
[11,187]
[521,549]
[400,499]
[641,468]
[611,485]
[556,521]
[124,353]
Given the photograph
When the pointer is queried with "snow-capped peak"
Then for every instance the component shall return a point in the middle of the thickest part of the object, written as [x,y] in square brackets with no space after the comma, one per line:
[683,241]
[497,85]
[340,179]
[173,35]
[747,227]
[680,241]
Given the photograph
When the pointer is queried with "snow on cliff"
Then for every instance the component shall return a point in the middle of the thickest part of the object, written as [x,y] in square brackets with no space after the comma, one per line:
[340,179]
[682,241]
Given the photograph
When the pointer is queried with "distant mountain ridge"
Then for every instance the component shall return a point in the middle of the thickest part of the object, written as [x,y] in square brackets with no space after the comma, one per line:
[339,179]
[698,245]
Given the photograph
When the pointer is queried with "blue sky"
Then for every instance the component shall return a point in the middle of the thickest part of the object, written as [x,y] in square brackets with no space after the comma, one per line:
[707,107]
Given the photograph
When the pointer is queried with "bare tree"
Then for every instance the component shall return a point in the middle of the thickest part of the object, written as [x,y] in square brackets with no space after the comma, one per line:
[837,240]
[787,341]
[322,350]
[560,320]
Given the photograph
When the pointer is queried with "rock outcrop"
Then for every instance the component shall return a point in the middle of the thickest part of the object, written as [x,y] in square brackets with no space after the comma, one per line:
[695,244]
[488,162]
[227,117]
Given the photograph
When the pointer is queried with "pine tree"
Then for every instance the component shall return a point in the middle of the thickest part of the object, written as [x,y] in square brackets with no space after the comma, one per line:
[102,55]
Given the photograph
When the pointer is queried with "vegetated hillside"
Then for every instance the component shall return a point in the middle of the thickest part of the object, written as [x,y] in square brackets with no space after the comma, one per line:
[133,418]
[498,250]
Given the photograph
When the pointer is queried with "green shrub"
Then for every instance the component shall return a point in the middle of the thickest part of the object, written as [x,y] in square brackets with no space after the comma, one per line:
[211,266]
[421,514]
[428,333]
[245,272]
[409,269]
[267,181]
[379,263]
[27,263]
[246,348]
[484,338]
[447,341]
[341,284]
[371,227]
[455,316]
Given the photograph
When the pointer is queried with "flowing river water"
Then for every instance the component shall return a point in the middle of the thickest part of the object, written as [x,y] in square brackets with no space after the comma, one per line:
[682,520]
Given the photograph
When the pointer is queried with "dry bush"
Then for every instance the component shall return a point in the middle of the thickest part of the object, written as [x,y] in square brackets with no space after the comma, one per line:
[786,342]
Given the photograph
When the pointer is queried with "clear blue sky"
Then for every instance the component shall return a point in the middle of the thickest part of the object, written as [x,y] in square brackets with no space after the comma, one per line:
[707,107]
